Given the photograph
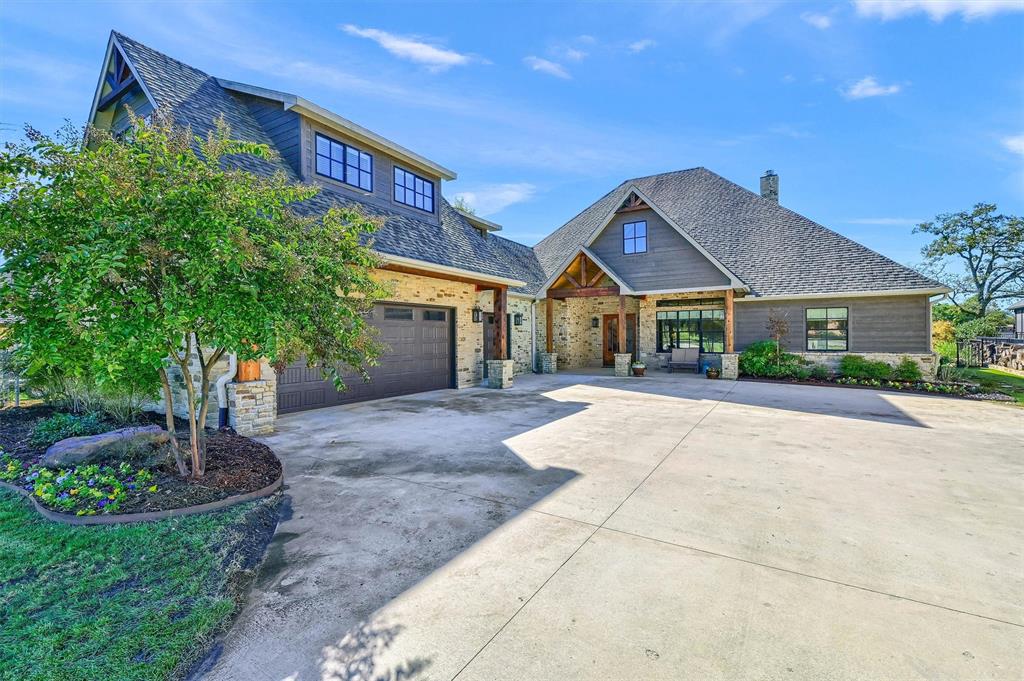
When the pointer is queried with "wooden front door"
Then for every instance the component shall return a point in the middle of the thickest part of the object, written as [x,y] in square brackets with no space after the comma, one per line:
[611,337]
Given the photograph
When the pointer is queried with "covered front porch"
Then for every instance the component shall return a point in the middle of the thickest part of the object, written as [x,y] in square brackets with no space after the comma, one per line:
[591,320]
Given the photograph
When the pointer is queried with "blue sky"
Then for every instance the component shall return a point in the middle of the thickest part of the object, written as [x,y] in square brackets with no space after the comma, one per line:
[875,114]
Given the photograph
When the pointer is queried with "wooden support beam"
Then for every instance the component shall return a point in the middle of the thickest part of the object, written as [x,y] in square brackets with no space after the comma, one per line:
[559,293]
[597,278]
[115,94]
[571,280]
[500,322]
[622,324]
[583,268]
[549,323]
[730,324]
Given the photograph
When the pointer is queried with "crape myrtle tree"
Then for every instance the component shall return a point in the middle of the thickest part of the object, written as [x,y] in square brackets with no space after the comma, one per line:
[128,255]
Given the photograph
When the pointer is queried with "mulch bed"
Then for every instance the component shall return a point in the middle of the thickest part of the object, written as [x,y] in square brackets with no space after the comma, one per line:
[234,464]
[907,391]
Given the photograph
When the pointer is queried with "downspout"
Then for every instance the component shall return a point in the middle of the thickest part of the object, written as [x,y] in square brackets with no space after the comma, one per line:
[222,392]
[533,334]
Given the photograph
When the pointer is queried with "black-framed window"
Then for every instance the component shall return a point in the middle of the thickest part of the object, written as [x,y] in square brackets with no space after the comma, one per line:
[413,190]
[634,237]
[703,329]
[828,329]
[343,163]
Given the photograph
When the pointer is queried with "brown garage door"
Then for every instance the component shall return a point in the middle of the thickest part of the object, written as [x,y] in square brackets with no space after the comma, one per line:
[419,356]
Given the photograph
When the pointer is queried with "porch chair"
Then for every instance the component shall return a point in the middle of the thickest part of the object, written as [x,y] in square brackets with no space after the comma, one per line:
[684,358]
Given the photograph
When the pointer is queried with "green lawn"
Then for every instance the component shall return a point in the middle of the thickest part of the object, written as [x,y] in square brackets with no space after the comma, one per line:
[138,601]
[993,379]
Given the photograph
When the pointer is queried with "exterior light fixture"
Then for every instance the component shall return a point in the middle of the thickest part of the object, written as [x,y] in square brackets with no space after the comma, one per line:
[477,314]
[595,322]
[517,319]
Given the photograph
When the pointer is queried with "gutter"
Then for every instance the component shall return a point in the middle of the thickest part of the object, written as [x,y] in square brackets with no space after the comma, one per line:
[222,393]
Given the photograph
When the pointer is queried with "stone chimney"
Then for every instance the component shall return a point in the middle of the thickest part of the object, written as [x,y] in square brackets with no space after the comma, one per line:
[770,186]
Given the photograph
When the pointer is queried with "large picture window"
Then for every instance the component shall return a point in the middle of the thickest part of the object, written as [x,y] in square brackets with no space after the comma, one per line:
[702,329]
[413,190]
[828,329]
[343,163]
[634,237]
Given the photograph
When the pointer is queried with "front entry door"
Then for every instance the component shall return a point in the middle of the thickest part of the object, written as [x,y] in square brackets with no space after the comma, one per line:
[611,337]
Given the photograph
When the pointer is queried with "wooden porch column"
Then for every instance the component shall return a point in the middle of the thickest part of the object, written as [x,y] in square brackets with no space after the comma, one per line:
[622,324]
[729,321]
[549,323]
[500,322]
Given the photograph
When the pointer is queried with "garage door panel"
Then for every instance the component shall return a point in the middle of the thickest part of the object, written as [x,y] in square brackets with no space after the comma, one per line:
[418,356]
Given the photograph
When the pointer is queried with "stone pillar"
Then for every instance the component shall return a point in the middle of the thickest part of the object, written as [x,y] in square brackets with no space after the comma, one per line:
[730,365]
[549,362]
[500,372]
[252,405]
[622,363]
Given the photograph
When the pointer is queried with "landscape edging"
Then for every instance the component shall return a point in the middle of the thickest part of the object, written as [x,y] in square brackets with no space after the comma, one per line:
[147,516]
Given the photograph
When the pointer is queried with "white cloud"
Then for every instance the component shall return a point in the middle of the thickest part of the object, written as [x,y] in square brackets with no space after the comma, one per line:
[894,222]
[545,66]
[789,78]
[1014,143]
[937,10]
[494,198]
[868,86]
[819,21]
[413,49]
[570,53]
[641,45]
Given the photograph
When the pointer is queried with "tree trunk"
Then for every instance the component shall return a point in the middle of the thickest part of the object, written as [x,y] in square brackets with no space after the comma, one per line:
[169,413]
[204,402]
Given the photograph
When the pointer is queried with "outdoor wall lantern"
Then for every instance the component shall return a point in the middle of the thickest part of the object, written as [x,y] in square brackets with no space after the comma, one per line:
[517,319]
[595,322]
[477,314]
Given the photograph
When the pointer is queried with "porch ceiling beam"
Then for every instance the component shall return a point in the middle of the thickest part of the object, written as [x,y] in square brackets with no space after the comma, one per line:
[559,293]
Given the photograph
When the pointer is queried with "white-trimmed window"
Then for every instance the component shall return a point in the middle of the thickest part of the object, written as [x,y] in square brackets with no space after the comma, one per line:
[413,190]
[344,163]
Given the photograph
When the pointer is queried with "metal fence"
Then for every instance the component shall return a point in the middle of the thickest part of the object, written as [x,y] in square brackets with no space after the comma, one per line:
[979,352]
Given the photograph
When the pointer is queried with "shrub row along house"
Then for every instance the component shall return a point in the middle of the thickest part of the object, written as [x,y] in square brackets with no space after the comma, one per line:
[684,259]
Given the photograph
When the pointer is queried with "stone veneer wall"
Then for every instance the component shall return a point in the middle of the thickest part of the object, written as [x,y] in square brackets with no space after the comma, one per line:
[927,361]
[252,405]
[649,324]
[576,342]
[522,350]
[1009,356]
[177,382]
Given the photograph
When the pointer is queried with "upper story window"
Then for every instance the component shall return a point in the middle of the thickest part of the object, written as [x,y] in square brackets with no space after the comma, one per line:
[344,163]
[413,190]
[634,237]
[828,328]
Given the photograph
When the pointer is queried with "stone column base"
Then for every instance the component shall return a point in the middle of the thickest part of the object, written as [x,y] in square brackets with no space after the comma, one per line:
[549,362]
[499,373]
[252,407]
[622,363]
[730,365]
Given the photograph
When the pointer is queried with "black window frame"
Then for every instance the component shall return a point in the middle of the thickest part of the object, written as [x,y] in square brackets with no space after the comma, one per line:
[346,167]
[416,192]
[634,238]
[709,329]
[845,319]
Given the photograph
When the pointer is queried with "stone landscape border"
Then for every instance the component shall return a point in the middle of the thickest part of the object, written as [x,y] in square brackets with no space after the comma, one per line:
[148,516]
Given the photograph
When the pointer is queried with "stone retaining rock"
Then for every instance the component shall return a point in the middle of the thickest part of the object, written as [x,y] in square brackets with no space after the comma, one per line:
[75,450]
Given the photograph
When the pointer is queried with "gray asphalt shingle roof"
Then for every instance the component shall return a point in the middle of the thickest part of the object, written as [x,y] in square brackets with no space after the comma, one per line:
[196,99]
[772,249]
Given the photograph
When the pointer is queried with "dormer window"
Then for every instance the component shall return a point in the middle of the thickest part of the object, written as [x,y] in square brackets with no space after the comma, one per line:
[413,190]
[344,163]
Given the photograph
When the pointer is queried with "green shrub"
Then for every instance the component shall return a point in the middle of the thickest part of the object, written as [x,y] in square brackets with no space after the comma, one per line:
[857,366]
[60,426]
[821,372]
[907,370]
[764,359]
[946,349]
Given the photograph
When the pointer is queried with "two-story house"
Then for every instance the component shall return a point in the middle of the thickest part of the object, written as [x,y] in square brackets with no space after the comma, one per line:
[683,259]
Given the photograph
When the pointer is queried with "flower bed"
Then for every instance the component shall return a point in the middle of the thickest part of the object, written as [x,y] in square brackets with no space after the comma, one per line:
[920,387]
[82,490]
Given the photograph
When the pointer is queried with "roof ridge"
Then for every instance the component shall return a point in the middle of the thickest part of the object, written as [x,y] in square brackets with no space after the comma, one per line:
[135,43]
[669,172]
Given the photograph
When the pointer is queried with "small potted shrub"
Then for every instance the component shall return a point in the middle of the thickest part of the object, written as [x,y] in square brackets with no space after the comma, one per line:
[639,368]
[713,372]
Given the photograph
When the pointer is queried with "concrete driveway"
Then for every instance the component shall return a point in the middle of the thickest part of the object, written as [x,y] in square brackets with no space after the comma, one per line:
[671,527]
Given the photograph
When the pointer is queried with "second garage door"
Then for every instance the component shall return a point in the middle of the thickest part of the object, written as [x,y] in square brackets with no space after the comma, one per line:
[419,356]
